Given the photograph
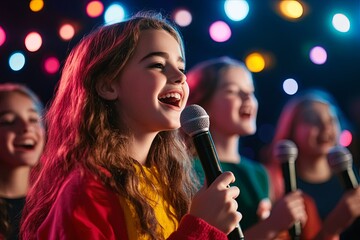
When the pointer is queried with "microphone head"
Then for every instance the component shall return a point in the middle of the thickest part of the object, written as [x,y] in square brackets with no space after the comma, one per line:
[194,120]
[339,159]
[286,151]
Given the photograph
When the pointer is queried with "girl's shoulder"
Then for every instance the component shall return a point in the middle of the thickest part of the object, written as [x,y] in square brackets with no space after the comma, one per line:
[81,184]
[84,205]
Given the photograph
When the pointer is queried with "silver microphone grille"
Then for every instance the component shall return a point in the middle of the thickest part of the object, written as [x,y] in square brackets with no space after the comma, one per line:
[339,158]
[286,150]
[194,120]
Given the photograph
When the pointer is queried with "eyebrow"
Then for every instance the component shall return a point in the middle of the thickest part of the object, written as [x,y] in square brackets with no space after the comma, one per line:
[10,111]
[161,54]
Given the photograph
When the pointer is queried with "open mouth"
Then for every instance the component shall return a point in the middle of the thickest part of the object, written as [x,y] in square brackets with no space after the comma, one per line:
[28,144]
[171,99]
[245,115]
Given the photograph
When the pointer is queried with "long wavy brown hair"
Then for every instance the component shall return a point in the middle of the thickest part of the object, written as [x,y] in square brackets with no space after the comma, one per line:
[84,132]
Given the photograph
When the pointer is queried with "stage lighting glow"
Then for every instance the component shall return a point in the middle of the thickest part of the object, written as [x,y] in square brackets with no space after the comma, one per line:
[236,10]
[290,86]
[345,138]
[318,55]
[341,23]
[33,41]
[2,36]
[94,9]
[182,17]
[114,13]
[36,5]
[51,65]
[255,62]
[291,9]
[67,31]
[220,31]
[17,61]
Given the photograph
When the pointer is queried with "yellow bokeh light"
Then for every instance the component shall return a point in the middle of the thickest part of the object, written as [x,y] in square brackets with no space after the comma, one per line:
[255,62]
[291,9]
[36,5]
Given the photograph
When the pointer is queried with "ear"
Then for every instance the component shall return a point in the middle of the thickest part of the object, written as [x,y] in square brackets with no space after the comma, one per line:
[106,90]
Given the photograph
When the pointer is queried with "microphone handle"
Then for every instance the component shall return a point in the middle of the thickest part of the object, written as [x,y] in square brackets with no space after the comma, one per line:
[348,179]
[289,174]
[205,148]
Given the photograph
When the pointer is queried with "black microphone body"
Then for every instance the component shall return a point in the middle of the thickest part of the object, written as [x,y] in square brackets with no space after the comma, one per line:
[195,123]
[286,152]
[208,157]
[341,163]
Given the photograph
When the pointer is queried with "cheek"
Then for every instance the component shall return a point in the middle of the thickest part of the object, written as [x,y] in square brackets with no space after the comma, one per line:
[186,92]
[6,137]
[301,136]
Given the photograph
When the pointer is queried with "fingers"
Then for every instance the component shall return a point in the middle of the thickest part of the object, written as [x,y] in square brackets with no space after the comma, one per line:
[216,204]
[297,207]
[223,180]
[290,209]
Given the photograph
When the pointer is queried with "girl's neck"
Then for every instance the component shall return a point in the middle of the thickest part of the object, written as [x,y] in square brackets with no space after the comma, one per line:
[227,147]
[14,183]
[315,170]
[140,146]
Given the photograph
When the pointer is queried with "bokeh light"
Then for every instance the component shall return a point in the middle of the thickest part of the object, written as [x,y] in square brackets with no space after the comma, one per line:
[220,31]
[341,23]
[236,10]
[182,17]
[17,61]
[291,9]
[318,55]
[33,41]
[114,13]
[36,5]
[290,86]
[51,65]
[2,36]
[94,9]
[67,31]
[345,138]
[255,62]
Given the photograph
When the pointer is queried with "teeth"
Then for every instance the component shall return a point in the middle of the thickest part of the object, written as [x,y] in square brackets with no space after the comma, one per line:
[171,95]
[27,142]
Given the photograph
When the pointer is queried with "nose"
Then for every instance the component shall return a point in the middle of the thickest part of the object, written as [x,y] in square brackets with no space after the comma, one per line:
[177,76]
[24,126]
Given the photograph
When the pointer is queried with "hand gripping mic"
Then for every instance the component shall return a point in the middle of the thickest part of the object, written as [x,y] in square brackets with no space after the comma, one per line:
[286,152]
[340,161]
[195,123]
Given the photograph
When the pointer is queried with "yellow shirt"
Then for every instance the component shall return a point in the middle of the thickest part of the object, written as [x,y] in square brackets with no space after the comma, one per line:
[167,223]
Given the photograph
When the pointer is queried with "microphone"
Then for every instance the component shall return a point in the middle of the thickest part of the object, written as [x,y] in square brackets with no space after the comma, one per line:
[195,123]
[286,152]
[340,161]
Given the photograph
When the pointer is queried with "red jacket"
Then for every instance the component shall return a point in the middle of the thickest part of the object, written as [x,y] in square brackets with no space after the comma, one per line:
[86,209]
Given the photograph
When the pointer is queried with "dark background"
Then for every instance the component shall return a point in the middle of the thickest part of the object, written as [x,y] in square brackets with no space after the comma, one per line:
[288,42]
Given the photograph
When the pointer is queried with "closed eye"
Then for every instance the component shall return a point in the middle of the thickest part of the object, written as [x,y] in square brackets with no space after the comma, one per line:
[157,65]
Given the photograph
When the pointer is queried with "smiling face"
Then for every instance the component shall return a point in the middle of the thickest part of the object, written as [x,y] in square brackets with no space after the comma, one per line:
[233,107]
[21,131]
[316,130]
[152,89]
